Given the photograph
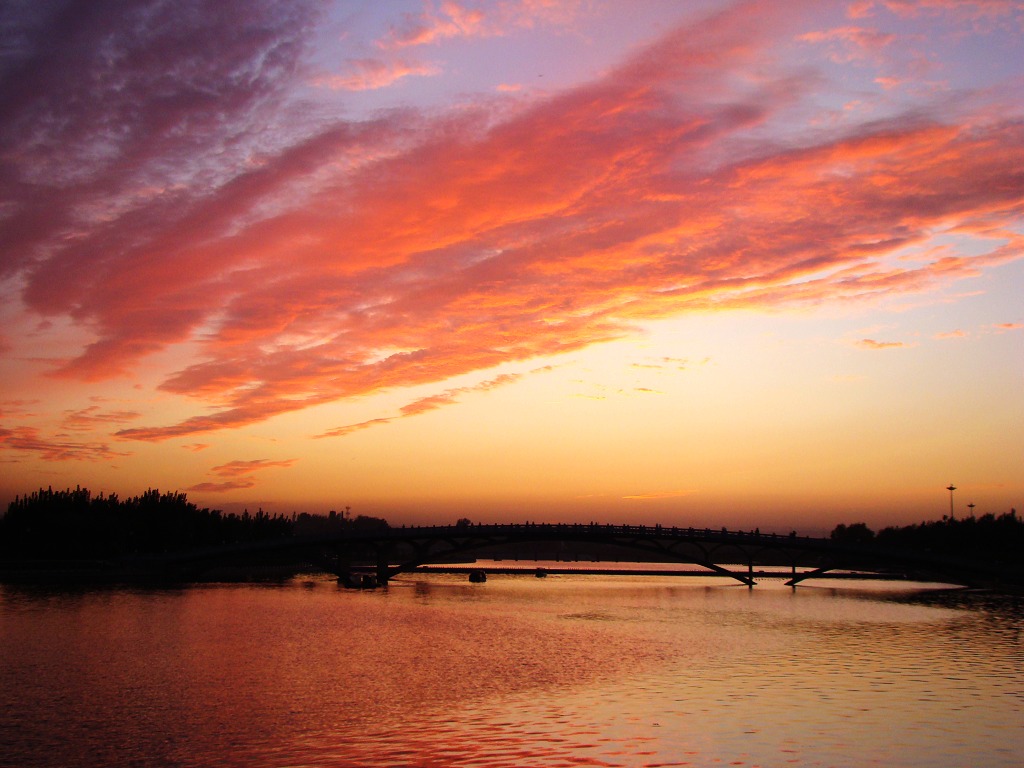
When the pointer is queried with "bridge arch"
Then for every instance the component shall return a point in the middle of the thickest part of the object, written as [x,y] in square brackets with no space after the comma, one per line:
[473,540]
[398,550]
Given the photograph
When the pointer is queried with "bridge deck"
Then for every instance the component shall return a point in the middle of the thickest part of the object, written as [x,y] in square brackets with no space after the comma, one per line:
[741,555]
[572,571]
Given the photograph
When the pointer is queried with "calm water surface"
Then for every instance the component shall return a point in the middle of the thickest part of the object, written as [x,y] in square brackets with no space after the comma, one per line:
[563,671]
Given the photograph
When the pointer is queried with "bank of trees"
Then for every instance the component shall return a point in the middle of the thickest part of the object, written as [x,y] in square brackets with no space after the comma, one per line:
[306,524]
[988,536]
[74,524]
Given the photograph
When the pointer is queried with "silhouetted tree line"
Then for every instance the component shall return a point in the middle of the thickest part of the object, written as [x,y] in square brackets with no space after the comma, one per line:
[988,536]
[306,524]
[68,524]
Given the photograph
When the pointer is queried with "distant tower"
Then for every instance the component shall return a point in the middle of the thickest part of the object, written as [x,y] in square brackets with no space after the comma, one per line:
[951,488]
[971,507]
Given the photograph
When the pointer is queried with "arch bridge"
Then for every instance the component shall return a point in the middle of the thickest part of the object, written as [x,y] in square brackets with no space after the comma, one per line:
[388,552]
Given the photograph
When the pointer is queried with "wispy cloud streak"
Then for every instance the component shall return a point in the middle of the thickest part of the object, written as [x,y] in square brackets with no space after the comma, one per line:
[29,440]
[370,74]
[424,404]
[873,344]
[468,20]
[238,475]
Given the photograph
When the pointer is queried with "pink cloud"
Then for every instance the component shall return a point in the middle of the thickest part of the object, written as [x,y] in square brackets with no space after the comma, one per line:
[95,104]
[853,42]
[957,334]
[891,82]
[860,9]
[445,304]
[453,20]
[468,20]
[964,9]
[370,74]
[309,266]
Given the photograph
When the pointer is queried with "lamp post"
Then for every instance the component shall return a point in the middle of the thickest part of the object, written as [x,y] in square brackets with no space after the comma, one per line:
[971,507]
[951,488]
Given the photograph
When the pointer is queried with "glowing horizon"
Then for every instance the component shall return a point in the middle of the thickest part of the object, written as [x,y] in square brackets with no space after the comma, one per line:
[715,263]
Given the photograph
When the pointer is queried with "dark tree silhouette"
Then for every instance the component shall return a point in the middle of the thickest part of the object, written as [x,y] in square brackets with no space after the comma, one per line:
[855,533]
[319,525]
[74,524]
[987,537]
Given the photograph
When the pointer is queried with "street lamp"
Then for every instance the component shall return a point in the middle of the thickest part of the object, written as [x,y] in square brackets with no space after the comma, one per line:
[971,507]
[951,488]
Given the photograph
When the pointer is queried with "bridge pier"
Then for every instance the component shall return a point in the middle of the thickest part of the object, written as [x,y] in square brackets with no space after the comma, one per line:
[383,570]
[807,575]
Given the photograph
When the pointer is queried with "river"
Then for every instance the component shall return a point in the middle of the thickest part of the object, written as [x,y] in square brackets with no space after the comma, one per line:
[518,671]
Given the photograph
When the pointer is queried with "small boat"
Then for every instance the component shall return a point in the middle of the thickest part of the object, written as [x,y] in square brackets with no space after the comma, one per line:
[477,577]
[359,580]
[540,573]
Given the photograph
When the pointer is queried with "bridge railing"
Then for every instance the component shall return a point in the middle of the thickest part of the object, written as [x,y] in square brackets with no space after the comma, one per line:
[607,528]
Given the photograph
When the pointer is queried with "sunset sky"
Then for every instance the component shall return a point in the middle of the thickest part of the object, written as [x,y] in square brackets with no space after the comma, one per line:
[703,263]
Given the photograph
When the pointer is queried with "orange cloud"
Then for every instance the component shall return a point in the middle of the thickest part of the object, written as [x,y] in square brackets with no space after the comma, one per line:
[654,495]
[92,417]
[238,475]
[425,404]
[350,428]
[227,485]
[479,234]
[663,363]
[30,440]
[16,408]
[239,468]
[451,396]
[872,344]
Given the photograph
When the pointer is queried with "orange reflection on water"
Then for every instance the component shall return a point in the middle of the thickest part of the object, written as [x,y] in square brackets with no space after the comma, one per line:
[563,671]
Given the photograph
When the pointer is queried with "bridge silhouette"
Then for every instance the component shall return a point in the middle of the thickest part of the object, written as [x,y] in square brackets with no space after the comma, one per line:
[376,556]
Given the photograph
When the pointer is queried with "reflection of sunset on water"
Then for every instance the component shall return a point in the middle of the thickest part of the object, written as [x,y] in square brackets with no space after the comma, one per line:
[435,671]
[721,262]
